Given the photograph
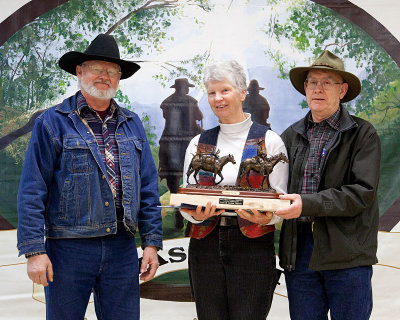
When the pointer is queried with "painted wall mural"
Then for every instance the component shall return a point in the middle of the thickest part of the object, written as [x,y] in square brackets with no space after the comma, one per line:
[172,40]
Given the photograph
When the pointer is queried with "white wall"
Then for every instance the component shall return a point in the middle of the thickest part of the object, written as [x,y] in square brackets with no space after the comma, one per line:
[387,12]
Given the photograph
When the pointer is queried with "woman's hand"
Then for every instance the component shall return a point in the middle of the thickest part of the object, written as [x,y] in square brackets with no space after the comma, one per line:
[208,212]
[256,216]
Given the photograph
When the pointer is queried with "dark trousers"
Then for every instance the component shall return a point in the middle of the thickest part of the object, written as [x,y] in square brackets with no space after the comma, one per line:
[108,266]
[346,293]
[232,276]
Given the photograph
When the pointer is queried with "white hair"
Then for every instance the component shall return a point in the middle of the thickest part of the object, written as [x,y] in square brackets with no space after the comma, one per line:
[230,71]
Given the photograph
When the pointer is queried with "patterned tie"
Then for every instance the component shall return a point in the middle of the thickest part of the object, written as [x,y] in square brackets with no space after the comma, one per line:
[108,151]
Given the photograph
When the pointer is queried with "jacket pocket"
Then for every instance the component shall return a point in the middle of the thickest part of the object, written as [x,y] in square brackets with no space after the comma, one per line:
[130,164]
[75,202]
[77,155]
[66,200]
[336,240]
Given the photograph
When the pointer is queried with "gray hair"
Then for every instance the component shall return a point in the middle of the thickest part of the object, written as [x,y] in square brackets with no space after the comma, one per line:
[230,71]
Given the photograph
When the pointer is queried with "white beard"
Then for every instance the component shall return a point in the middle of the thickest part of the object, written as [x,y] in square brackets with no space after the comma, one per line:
[97,93]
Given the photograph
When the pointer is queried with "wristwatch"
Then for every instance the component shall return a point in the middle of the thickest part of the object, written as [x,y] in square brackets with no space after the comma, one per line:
[32,254]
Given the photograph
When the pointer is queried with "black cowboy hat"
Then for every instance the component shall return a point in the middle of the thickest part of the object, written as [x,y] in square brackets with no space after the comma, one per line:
[330,62]
[182,82]
[103,48]
[253,86]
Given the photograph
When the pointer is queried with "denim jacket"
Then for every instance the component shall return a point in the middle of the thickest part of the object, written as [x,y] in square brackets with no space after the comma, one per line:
[64,191]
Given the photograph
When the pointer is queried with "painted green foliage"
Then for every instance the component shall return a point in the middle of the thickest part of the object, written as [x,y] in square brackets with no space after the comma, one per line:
[29,75]
[386,117]
[310,27]
[30,78]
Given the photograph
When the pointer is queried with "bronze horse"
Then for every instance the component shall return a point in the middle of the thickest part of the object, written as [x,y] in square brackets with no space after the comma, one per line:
[208,163]
[262,166]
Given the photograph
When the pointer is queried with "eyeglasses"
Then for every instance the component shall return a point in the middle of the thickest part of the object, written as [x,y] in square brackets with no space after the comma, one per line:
[325,84]
[97,70]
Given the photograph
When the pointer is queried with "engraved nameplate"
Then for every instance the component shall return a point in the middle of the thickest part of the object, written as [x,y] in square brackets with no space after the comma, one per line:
[231,201]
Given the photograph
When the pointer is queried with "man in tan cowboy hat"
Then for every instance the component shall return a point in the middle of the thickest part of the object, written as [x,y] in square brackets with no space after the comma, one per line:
[88,182]
[328,240]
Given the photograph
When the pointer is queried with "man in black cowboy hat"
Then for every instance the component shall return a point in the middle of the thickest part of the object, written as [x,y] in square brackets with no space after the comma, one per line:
[88,182]
[181,113]
[256,104]
[328,239]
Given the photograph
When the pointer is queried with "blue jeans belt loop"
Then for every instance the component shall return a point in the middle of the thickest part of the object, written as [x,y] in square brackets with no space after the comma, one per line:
[227,221]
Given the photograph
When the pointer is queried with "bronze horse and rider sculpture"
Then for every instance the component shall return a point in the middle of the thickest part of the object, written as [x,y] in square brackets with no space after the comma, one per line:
[208,162]
[262,165]
[211,162]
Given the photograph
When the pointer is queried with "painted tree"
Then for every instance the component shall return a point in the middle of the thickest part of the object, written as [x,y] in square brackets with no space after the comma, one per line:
[310,27]
[29,75]
[149,129]
[386,117]
[30,78]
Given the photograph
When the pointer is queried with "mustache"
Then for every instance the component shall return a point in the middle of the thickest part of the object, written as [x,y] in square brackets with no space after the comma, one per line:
[107,82]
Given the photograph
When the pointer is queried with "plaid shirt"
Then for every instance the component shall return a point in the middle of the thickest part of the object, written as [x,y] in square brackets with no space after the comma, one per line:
[95,123]
[319,135]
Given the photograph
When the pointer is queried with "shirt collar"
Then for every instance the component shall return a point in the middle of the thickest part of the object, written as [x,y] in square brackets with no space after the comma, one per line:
[81,104]
[233,128]
[333,121]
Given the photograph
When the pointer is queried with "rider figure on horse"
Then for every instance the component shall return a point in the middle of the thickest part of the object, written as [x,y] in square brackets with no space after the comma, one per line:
[261,156]
[209,157]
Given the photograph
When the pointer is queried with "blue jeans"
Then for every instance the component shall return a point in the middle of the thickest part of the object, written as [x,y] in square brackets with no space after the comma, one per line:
[347,293]
[108,266]
[232,277]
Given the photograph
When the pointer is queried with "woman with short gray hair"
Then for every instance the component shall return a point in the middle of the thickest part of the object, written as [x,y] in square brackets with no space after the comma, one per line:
[229,70]
[231,254]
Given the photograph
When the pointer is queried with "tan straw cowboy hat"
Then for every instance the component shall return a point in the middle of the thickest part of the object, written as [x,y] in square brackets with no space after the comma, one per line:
[327,61]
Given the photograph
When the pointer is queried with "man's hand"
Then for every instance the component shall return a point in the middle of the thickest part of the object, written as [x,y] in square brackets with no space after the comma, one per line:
[294,210]
[255,216]
[149,264]
[208,212]
[40,269]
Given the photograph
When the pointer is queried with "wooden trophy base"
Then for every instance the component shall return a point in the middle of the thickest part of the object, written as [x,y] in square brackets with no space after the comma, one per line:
[230,198]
